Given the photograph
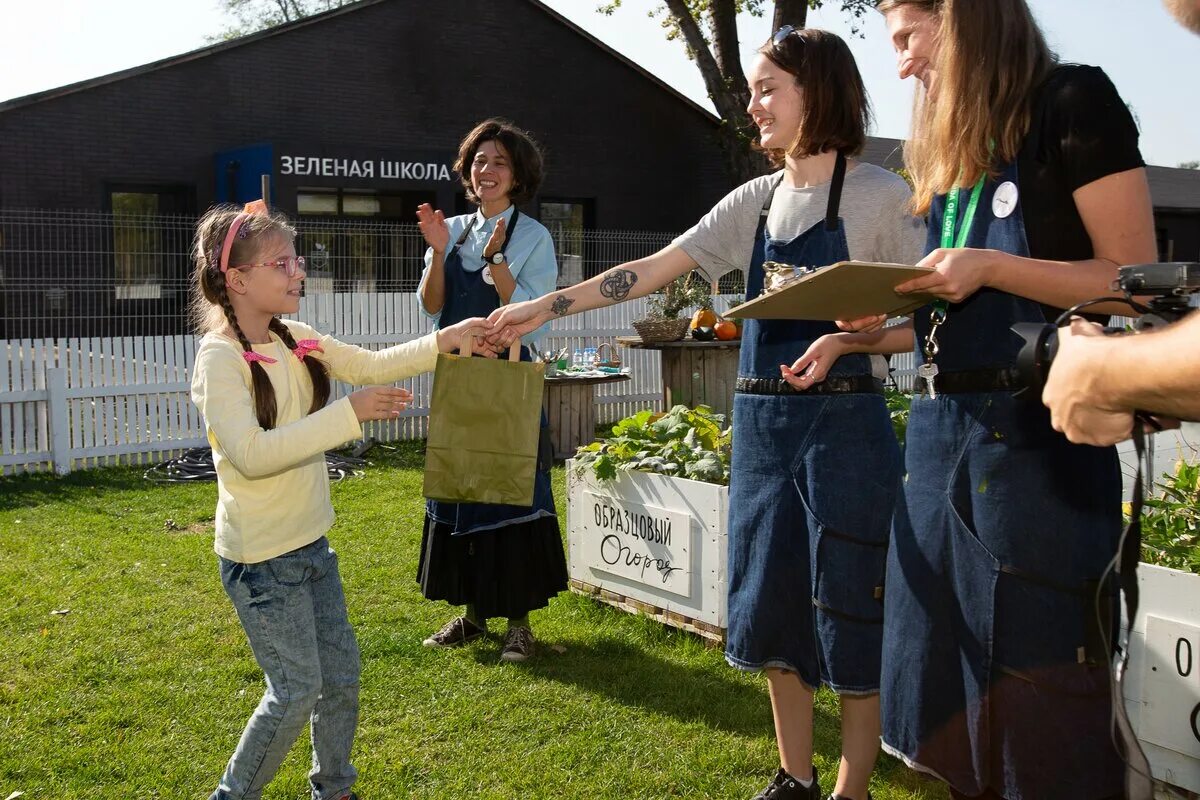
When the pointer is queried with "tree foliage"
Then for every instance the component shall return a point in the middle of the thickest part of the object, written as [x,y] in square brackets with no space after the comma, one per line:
[708,30]
[248,16]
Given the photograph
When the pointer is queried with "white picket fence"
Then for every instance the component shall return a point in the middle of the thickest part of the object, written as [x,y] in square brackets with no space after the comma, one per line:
[72,403]
[79,403]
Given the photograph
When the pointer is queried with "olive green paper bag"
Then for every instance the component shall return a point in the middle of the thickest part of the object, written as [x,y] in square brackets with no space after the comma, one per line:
[484,421]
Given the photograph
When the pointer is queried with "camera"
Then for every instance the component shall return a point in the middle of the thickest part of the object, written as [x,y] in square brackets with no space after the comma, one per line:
[1174,291]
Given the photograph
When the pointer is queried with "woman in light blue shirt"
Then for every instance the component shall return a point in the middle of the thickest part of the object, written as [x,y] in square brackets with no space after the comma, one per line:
[528,270]
[497,560]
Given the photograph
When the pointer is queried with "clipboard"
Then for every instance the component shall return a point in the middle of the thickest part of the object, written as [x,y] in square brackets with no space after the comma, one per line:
[846,290]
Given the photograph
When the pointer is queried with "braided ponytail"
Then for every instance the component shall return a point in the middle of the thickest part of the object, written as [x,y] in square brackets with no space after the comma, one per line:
[316,367]
[264,392]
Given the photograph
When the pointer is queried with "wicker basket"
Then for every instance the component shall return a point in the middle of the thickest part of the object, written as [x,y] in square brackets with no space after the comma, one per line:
[661,330]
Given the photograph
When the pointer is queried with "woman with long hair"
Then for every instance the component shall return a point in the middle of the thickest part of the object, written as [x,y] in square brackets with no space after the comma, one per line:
[1000,614]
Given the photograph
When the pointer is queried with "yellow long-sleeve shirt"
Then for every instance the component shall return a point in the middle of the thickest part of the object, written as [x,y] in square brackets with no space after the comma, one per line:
[272,486]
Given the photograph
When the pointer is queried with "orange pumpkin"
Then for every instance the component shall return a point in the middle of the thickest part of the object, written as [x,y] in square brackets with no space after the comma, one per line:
[704,318]
[726,330]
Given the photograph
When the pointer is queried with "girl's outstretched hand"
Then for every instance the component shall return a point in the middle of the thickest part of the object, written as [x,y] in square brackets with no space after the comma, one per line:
[450,338]
[379,402]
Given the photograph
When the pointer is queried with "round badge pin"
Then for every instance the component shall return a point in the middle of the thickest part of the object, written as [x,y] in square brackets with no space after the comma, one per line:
[487,276]
[1004,201]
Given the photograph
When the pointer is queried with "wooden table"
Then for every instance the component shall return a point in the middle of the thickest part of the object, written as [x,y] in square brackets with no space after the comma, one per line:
[571,410]
[695,373]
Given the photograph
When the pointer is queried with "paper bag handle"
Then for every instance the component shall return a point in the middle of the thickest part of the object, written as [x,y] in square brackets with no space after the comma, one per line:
[514,350]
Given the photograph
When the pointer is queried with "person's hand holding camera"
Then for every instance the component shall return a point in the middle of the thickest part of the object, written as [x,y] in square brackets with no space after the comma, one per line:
[1074,390]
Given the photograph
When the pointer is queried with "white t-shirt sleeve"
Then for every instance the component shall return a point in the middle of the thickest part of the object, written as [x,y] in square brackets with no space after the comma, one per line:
[900,236]
[723,239]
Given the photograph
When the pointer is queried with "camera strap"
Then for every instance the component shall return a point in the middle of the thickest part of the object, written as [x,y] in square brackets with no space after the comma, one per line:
[1139,782]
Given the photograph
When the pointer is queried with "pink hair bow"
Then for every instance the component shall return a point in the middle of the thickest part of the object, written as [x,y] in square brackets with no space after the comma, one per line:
[252,356]
[306,346]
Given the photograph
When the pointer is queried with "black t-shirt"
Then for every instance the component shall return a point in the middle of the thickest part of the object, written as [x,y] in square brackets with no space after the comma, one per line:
[1080,131]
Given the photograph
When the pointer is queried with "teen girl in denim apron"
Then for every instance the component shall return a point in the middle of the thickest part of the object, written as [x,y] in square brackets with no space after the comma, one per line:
[815,476]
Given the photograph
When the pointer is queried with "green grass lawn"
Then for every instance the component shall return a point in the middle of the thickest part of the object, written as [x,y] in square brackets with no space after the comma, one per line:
[142,688]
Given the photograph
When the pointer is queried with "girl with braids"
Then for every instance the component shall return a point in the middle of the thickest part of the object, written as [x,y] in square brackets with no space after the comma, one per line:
[262,385]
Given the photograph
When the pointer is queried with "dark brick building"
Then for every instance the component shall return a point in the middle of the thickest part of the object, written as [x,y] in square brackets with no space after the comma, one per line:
[392,81]
[355,115]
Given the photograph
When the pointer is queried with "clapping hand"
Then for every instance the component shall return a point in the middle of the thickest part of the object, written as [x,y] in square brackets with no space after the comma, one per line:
[496,242]
[433,228]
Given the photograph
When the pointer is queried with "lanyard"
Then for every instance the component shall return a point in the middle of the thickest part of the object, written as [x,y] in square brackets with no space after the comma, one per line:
[949,239]
[950,218]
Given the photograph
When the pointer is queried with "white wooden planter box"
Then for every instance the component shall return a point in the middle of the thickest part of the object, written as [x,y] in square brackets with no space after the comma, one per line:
[1162,687]
[651,544]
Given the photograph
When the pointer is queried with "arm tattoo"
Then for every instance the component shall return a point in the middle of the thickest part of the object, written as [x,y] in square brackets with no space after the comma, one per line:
[560,305]
[617,284]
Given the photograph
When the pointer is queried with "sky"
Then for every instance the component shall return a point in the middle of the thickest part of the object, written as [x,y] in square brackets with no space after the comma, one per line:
[1153,61]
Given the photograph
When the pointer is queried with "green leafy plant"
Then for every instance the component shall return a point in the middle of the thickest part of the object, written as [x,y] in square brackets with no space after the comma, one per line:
[1171,520]
[898,406]
[682,443]
[679,295]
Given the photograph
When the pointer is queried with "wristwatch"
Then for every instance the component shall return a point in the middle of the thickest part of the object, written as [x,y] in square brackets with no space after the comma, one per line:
[496,258]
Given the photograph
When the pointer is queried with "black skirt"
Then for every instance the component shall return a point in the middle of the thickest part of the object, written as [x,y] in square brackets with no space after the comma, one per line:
[505,572]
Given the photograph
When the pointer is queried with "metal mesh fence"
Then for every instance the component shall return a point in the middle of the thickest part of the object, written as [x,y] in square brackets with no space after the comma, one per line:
[83,273]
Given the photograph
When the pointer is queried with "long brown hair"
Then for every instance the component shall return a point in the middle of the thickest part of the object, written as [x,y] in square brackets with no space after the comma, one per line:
[836,109]
[211,307]
[991,57]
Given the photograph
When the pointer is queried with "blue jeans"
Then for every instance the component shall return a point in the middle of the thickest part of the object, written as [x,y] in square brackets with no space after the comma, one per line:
[294,613]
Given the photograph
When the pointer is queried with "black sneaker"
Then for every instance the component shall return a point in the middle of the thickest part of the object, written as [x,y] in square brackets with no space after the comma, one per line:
[785,787]
[456,632]
[518,644]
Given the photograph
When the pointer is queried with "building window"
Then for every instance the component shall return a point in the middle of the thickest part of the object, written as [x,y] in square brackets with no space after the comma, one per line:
[566,221]
[401,207]
[362,250]
[360,205]
[150,251]
[319,204]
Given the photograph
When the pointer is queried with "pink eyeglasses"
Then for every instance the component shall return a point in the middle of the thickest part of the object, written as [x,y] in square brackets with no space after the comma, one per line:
[291,265]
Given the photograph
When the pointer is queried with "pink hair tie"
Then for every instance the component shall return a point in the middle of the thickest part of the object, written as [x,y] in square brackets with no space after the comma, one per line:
[306,346]
[252,356]
[258,207]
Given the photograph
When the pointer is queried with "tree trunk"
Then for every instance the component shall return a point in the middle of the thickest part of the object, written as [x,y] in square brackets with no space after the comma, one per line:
[790,12]
[728,92]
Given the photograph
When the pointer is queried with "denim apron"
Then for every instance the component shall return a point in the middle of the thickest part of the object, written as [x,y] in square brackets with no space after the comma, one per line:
[469,295]
[994,676]
[814,479]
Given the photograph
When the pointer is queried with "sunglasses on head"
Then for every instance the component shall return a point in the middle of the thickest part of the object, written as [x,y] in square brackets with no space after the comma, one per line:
[782,34]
